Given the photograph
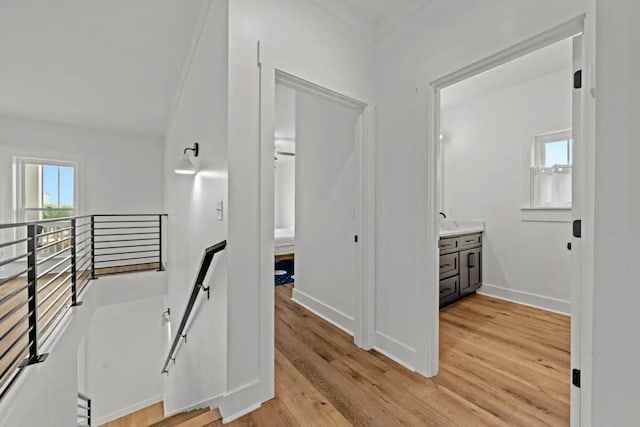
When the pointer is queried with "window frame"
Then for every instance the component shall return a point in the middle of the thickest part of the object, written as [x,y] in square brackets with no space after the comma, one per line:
[19,190]
[540,141]
[531,149]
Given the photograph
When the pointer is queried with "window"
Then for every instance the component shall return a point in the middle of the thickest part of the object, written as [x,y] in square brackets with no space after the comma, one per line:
[46,190]
[550,170]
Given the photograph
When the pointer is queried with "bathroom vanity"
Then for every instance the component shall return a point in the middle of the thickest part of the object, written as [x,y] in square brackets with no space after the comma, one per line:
[460,261]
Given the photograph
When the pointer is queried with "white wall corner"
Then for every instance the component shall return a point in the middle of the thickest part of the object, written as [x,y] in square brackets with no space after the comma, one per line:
[326,312]
[525,298]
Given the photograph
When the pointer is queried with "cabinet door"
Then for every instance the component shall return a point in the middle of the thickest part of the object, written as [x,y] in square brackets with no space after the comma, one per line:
[470,270]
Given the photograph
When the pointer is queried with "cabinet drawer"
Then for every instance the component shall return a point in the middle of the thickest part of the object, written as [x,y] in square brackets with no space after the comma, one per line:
[470,241]
[449,265]
[449,289]
[448,245]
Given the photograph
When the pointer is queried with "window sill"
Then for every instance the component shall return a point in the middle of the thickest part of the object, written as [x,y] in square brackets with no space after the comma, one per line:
[545,214]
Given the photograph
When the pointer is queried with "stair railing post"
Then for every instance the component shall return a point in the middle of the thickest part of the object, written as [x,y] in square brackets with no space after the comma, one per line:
[93,247]
[74,289]
[32,294]
[160,263]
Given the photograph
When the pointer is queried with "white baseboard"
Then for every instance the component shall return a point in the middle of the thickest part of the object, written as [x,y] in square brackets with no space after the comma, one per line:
[395,350]
[239,402]
[126,411]
[525,298]
[231,418]
[328,313]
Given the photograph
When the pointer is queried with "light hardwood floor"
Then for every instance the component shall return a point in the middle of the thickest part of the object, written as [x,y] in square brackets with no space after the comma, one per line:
[502,364]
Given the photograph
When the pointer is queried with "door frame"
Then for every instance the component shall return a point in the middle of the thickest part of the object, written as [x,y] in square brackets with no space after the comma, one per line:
[583,207]
[271,74]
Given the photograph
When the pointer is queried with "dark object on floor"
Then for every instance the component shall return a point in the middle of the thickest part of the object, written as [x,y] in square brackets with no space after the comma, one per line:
[288,266]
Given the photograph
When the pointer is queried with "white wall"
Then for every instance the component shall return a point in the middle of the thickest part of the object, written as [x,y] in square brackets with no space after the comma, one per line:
[285,187]
[199,374]
[291,33]
[616,349]
[117,172]
[325,191]
[126,345]
[485,169]
[285,166]
[434,42]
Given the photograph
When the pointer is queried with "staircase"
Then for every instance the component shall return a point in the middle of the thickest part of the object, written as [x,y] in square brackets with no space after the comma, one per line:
[196,418]
[152,416]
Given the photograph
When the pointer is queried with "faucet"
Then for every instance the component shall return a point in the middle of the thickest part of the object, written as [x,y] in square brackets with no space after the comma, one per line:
[443,215]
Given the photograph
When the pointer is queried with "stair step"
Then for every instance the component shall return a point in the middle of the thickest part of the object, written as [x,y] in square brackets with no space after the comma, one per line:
[175,420]
[202,420]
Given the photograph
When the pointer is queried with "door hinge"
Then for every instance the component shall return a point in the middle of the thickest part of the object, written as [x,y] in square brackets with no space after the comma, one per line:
[575,377]
[577,79]
[577,228]
[355,238]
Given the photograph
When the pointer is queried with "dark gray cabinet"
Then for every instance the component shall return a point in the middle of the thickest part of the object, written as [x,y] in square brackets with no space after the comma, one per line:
[460,267]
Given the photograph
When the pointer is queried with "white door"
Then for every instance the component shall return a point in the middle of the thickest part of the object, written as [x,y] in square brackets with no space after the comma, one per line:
[325,207]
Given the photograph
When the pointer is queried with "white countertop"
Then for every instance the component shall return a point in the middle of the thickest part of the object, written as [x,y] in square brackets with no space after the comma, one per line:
[451,227]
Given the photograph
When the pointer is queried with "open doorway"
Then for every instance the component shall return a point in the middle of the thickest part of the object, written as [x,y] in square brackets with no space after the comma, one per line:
[284,185]
[317,144]
[508,187]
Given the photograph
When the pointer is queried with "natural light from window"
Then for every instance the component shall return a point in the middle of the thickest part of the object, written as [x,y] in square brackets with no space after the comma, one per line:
[551,170]
[47,190]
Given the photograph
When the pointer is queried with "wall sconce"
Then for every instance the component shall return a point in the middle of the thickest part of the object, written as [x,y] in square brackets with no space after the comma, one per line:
[187,163]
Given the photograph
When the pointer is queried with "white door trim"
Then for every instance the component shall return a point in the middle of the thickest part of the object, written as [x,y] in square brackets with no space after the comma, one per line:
[428,343]
[272,73]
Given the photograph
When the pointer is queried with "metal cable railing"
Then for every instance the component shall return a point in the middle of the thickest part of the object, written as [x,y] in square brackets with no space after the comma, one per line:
[84,411]
[46,265]
[198,286]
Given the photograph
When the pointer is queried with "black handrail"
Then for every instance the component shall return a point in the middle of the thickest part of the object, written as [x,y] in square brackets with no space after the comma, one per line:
[69,218]
[207,258]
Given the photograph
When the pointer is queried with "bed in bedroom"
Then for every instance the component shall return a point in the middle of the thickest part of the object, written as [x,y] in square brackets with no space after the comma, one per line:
[284,243]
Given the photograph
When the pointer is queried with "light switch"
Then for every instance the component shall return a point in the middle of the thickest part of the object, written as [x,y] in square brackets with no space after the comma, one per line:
[220,210]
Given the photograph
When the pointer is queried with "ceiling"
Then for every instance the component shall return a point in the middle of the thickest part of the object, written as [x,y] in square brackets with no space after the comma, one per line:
[110,64]
[537,64]
[117,64]
[373,17]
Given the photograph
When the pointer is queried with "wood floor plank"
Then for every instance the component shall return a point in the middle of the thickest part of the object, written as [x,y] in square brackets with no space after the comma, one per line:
[306,404]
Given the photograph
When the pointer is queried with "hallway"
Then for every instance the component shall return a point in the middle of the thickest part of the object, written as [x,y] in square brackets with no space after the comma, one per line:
[502,364]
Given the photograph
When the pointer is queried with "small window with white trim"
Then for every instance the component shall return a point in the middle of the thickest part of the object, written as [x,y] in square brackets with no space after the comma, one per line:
[551,169]
[45,189]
